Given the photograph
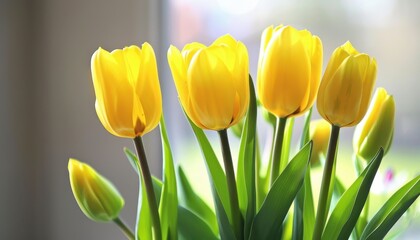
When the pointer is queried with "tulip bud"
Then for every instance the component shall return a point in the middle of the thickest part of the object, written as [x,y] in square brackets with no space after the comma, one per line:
[289,70]
[96,196]
[377,127]
[319,133]
[346,86]
[212,82]
[128,97]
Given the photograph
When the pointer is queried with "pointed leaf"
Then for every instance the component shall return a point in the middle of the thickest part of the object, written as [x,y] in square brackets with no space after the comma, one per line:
[246,164]
[392,210]
[345,214]
[144,225]
[168,205]
[308,208]
[157,183]
[285,151]
[225,228]
[218,184]
[191,226]
[195,204]
[304,213]
[216,174]
[132,159]
[280,197]
[305,133]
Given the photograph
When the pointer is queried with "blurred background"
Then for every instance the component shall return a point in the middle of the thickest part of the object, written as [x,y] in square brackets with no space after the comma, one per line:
[47,101]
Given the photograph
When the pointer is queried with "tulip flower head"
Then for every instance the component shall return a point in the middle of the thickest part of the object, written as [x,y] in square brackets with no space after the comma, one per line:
[319,133]
[346,86]
[128,97]
[377,127]
[212,82]
[96,196]
[289,70]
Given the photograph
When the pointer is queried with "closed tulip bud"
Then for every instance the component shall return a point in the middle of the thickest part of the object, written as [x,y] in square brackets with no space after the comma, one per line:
[346,86]
[97,197]
[319,133]
[128,97]
[289,70]
[377,127]
[212,82]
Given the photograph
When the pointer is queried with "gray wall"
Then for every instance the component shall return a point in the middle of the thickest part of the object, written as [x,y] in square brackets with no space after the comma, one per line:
[47,111]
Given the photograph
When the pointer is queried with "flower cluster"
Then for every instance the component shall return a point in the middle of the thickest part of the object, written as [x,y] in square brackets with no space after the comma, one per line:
[217,92]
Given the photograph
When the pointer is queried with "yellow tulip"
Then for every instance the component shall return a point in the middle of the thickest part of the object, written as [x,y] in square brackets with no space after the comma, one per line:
[346,87]
[128,97]
[377,127]
[212,82]
[96,196]
[319,133]
[289,70]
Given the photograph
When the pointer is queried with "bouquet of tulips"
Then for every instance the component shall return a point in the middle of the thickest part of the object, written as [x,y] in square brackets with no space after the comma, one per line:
[265,198]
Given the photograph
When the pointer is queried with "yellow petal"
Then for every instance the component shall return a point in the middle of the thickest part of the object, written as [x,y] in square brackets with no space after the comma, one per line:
[336,59]
[316,68]
[190,50]
[211,88]
[179,73]
[148,89]
[113,91]
[285,73]
[226,39]
[344,93]
[265,38]
[368,84]
[241,82]
[371,117]
[132,58]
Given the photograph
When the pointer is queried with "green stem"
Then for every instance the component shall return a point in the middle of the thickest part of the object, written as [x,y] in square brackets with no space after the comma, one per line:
[278,145]
[147,179]
[124,228]
[230,177]
[323,207]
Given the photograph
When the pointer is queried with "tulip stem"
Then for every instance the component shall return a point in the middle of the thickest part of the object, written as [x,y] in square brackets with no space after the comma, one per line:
[147,179]
[124,228]
[230,178]
[323,203]
[278,145]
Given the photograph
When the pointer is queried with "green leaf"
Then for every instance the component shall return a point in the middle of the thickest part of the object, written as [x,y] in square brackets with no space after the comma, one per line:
[347,211]
[157,187]
[168,206]
[392,210]
[216,174]
[308,208]
[304,213]
[132,159]
[194,202]
[191,226]
[144,227]
[218,184]
[297,229]
[261,178]
[305,133]
[338,190]
[285,151]
[157,183]
[246,164]
[225,228]
[268,220]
